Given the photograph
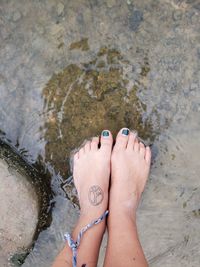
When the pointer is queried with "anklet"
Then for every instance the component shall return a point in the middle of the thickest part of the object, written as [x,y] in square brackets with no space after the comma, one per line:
[75,244]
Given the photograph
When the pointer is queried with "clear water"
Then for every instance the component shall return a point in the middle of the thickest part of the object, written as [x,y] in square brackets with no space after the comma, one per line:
[69,69]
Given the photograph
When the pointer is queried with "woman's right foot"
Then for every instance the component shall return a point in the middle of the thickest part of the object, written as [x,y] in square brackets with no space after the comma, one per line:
[91,172]
[130,165]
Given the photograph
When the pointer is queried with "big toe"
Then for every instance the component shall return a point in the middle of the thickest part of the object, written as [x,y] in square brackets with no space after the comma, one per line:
[106,141]
[122,138]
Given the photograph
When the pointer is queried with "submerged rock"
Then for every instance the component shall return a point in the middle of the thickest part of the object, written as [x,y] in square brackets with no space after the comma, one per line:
[23,206]
[84,99]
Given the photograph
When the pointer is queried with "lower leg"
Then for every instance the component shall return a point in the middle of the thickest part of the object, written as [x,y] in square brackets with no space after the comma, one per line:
[130,165]
[91,174]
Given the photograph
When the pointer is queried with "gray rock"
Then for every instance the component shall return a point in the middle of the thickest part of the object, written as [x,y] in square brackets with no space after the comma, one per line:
[22,205]
[19,211]
[29,56]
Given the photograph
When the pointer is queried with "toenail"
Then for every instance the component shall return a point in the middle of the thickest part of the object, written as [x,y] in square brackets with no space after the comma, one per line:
[125,131]
[105,133]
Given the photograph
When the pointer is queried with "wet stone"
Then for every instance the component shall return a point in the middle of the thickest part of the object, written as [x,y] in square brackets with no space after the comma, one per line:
[32,50]
[79,91]
[21,207]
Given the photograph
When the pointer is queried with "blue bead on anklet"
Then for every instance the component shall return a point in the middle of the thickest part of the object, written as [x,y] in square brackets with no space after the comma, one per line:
[75,244]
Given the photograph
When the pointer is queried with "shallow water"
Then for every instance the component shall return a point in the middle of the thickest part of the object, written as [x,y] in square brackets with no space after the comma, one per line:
[70,69]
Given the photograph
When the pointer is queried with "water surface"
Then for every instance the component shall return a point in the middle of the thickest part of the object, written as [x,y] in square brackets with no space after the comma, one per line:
[70,69]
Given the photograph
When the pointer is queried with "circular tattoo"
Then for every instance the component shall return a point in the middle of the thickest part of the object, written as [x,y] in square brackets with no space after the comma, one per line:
[95,195]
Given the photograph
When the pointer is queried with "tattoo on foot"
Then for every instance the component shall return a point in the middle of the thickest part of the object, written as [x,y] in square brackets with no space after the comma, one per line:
[95,195]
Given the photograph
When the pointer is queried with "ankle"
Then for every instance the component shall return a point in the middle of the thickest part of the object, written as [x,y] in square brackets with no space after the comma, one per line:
[120,223]
[85,220]
[118,216]
[90,212]
[123,202]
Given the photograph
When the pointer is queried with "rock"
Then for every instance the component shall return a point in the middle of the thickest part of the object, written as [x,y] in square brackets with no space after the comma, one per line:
[60,9]
[51,241]
[106,91]
[20,207]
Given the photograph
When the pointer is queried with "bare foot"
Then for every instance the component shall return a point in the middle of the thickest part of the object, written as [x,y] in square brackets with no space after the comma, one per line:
[130,165]
[91,173]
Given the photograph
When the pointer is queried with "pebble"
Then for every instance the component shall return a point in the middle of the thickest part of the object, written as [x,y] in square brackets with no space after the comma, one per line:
[60,9]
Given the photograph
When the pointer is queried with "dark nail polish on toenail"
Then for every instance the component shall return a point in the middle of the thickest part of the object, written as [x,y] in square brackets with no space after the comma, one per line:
[105,133]
[125,131]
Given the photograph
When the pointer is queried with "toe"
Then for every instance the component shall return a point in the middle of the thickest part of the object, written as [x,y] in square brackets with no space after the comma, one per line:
[106,140]
[142,149]
[81,152]
[136,146]
[131,140]
[122,138]
[148,155]
[94,143]
[75,157]
[87,146]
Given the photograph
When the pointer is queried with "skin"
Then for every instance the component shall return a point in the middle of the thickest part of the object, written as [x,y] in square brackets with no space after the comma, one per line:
[128,165]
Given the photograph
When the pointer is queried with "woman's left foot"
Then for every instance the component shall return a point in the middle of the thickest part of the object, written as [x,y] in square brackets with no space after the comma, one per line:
[91,172]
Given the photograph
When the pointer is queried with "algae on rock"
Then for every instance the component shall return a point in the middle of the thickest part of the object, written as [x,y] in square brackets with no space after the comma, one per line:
[83,100]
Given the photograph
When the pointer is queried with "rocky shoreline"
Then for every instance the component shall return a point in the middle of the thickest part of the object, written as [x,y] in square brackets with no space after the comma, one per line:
[24,197]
